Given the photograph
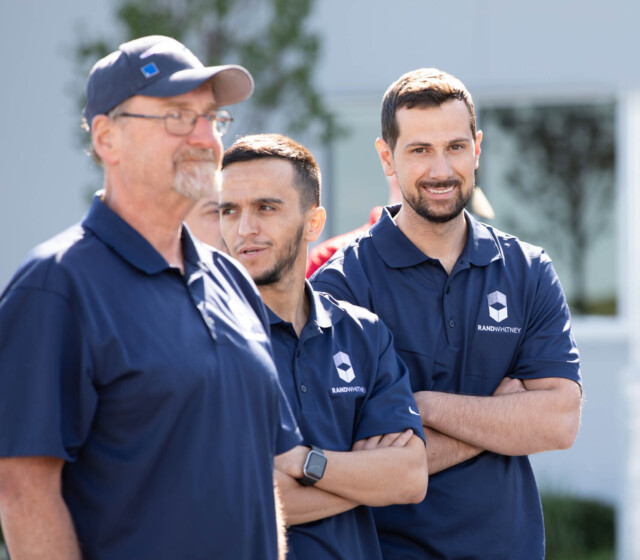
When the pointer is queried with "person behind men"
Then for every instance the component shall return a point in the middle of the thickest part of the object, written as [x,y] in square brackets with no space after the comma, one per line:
[349,391]
[141,410]
[482,323]
[204,222]
[322,252]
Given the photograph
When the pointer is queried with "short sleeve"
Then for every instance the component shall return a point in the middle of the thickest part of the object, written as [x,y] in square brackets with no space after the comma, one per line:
[47,400]
[549,348]
[288,433]
[391,406]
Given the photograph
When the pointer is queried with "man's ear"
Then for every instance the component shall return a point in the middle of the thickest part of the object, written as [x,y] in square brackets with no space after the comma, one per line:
[386,156]
[477,148]
[103,136]
[314,223]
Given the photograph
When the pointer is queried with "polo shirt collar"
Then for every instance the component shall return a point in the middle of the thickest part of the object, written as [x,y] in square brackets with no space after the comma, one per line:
[481,247]
[321,314]
[397,251]
[127,242]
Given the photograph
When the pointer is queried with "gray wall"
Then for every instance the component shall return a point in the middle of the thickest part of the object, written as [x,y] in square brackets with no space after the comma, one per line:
[44,176]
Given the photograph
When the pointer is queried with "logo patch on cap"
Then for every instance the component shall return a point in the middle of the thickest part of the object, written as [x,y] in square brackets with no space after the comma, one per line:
[149,70]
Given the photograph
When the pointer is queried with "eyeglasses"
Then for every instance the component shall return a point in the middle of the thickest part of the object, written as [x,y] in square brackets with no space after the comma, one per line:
[181,122]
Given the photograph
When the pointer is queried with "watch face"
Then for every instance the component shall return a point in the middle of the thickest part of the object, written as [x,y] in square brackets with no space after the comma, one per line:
[315,464]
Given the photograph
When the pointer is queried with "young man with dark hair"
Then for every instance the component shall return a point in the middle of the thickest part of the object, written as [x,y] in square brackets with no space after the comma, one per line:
[482,323]
[348,389]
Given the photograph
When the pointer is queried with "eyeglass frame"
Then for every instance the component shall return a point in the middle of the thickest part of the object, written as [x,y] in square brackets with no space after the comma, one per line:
[219,120]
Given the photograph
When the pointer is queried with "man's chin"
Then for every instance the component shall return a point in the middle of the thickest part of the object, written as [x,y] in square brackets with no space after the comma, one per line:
[198,184]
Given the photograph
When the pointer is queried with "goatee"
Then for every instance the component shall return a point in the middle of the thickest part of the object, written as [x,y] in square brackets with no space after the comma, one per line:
[197,174]
[433,212]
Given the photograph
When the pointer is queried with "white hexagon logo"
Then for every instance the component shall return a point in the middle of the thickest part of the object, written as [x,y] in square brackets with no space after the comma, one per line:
[343,365]
[498,306]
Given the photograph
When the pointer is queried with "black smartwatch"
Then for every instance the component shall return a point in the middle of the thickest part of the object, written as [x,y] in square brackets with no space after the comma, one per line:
[314,466]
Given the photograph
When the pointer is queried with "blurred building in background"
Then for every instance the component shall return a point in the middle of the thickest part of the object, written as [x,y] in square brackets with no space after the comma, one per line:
[557,92]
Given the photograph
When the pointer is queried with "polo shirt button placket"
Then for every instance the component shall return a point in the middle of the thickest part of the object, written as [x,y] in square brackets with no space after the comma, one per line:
[303,387]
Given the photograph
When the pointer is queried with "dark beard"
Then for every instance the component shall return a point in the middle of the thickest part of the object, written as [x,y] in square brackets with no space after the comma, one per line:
[424,209]
[284,264]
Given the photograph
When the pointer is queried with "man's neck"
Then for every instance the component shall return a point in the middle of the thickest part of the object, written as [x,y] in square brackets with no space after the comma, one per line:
[444,242]
[158,219]
[288,300]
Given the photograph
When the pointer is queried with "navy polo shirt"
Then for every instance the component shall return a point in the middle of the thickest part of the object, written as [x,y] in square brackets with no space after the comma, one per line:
[344,382]
[500,312]
[158,390]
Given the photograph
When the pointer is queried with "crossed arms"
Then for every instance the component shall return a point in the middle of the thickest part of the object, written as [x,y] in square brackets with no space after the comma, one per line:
[378,471]
[520,418]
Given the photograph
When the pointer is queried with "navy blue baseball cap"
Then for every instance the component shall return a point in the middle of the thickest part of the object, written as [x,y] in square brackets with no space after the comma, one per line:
[159,66]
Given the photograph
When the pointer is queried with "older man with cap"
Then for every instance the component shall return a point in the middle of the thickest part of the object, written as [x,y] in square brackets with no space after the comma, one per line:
[139,399]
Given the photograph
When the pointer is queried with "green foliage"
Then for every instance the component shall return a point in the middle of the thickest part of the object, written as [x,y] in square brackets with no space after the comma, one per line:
[564,169]
[578,529]
[269,37]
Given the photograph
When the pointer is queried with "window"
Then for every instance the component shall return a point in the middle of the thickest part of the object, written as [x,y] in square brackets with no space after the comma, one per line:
[549,172]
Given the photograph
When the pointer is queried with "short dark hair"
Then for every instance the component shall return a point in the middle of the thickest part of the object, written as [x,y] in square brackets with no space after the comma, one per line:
[260,146]
[425,87]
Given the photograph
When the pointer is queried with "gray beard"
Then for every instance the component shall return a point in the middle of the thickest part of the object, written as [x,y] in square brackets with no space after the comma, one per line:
[196,180]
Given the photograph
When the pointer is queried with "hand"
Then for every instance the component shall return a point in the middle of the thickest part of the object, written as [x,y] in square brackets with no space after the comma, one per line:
[292,461]
[395,439]
[509,385]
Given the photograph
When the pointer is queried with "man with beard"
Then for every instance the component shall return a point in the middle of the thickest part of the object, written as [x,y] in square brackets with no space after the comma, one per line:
[141,410]
[482,323]
[349,391]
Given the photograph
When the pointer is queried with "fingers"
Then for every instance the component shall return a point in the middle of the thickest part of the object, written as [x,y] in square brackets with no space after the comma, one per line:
[403,439]
[366,443]
[394,439]
[509,385]
[388,440]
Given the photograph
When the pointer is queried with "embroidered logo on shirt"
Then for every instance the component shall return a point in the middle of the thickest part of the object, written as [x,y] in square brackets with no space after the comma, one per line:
[346,373]
[498,306]
[498,311]
[343,365]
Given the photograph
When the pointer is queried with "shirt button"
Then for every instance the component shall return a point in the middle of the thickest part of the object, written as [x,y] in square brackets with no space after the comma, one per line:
[303,388]
[452,323]
[446,291]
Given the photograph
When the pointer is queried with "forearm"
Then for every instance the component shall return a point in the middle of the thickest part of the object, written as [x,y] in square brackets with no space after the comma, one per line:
[378,477]
[303,504]
[444,451]
[544,417]
[280,521]
[39,530]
